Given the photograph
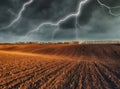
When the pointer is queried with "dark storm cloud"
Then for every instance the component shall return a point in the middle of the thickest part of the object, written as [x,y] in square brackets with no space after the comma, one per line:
[95,22]
[111,3]
[50,9]
[7,8]
[87,12]
[68,24]
[85,15]
[4,5]
[39,11]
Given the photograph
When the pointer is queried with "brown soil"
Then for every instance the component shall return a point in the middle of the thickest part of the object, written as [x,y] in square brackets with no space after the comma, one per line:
[60,66]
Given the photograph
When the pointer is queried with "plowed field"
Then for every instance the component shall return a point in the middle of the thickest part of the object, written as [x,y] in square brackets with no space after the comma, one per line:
[60,66]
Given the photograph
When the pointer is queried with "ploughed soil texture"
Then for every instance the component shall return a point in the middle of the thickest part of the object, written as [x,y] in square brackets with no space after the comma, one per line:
[59,66]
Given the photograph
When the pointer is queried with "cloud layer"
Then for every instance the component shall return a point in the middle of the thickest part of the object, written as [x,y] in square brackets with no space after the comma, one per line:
[94,22]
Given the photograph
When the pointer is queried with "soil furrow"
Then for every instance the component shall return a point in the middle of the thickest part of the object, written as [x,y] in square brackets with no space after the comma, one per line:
[110,83]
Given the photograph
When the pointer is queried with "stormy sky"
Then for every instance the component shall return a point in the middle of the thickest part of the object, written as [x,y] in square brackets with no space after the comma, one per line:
[95,21]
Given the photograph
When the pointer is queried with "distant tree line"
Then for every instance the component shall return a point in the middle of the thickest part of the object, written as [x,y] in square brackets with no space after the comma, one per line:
[70,42]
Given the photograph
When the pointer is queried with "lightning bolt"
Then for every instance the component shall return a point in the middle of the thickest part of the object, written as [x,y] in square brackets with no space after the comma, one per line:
[76,14]
[109,8]
[19,14]
[54,32]
[12,13]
